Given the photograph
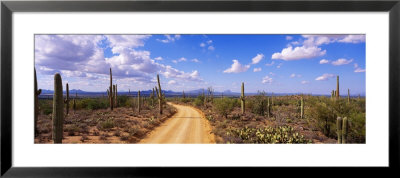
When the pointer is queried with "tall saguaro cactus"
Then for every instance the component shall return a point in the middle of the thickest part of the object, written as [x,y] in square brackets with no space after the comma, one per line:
[58,109]
[74,102]
[348,95]
[345,129]
[302,108]
[116,96]
[66,101]
[339,125]
[337,87]
[139,101]
[160,97]
[242,99]
[110,92]
[342,129]
[37,93]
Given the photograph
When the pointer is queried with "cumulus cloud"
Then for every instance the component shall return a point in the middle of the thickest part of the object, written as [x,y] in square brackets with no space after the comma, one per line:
[182,59]
[270,64]
[358,69]
[341,61]
[158,58]
[317,40]
[170,38]
[171,82]
[195,60]
[323,61]
[305,82]
[236,67]
[257,69]
[257,58]
[325,77]
[267,79]
[297,53]
[295,75]
[82,56]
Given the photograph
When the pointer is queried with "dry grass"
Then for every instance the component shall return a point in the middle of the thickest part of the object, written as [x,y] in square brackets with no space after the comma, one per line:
[122,125]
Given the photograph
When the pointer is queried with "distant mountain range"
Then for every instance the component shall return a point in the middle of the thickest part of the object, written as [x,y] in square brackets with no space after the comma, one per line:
[168,93]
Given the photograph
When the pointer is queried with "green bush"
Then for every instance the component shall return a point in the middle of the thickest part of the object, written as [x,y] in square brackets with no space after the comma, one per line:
[92,103]
[224,106]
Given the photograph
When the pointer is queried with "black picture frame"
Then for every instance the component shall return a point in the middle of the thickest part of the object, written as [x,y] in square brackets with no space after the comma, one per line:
[8,7]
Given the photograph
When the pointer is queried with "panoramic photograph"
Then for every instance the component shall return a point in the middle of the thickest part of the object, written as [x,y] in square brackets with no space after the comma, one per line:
[200,89]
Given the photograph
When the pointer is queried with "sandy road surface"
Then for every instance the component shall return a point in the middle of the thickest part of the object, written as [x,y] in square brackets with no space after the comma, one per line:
[187,126]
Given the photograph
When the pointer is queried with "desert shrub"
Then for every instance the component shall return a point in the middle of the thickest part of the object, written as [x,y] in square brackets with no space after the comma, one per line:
[199,101]
[106,125]
[223,106]
[259,103]
[92,103]
[186,100]
[45,106]
[123,101]
[281,134]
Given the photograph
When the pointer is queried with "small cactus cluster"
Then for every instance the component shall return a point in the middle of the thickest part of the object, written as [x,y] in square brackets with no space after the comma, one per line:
[58,109]
[281,134]
[242,99]
[342,129]
[37,93]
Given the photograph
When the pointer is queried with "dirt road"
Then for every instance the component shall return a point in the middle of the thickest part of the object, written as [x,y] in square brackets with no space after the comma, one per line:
[186,126]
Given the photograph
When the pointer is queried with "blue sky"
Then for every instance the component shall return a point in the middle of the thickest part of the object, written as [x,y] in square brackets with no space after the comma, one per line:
[284,63]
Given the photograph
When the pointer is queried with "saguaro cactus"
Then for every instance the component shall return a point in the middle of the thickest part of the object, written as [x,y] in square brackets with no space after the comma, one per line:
[337,87]
[116,95]
[302,108]
[58,109]
[339,125]
[242,99]
[37,93]
[160,97]
[110,92]
[66,101]
[348,95]
[139,101]
[345,129]
[74,102]
[268,108]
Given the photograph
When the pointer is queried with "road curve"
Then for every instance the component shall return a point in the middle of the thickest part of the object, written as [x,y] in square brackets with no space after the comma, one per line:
[188,125]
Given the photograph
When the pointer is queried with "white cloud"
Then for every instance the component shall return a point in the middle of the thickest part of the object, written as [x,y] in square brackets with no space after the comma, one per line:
[158,58]
[257,69]
[170,38]
[171,82]
[209,41]
[182,59]
[211,48]
[317,40]
[323,61]
[298,53]
[82,56]
[325,77]
[257,58]
[270,64]
[236,67]
[195,60]
[305,82]
[341,61]
[289,37]
[267,79]
[202,44]
[358,69]
[295,75]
